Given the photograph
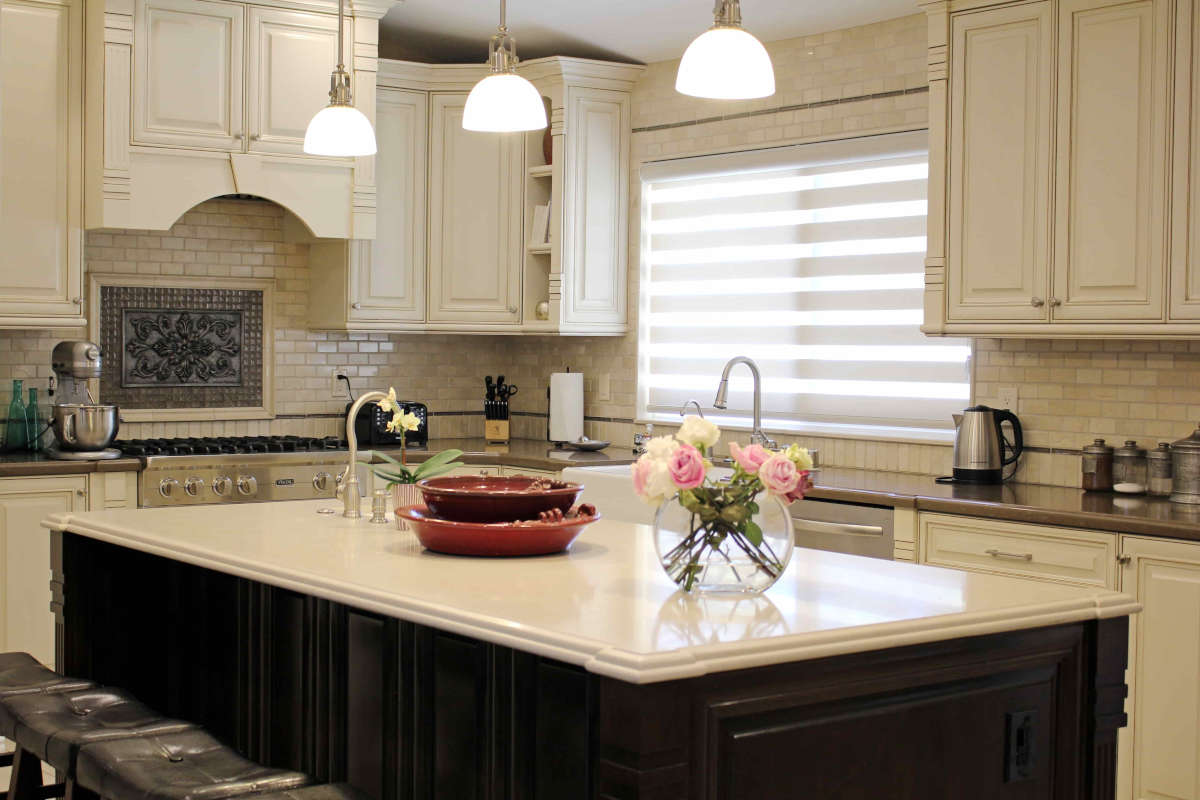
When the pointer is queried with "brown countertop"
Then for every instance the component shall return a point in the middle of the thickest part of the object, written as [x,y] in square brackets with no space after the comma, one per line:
[526,453]
[26,465]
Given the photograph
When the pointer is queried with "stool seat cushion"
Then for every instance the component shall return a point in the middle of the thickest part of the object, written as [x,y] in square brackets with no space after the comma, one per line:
[21,674]
[54,726]
[187,765]
[325,791]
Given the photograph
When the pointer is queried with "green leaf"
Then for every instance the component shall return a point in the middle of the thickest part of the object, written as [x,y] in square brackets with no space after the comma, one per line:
[754,534]
[386,458]
[426,474]
[437,460]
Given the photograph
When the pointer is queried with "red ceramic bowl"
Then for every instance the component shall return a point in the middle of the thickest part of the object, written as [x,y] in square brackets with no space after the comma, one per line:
[494,539]
[491,498]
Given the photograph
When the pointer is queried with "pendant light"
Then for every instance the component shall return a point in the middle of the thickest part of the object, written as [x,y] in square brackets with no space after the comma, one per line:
[504,101]
[339,129]
[725,62]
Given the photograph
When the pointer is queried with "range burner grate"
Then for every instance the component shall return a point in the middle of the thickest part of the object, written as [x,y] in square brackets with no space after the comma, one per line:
[229,445]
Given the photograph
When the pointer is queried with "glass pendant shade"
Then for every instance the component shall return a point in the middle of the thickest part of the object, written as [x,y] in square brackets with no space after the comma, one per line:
[504,102]
[339,131]
[726,63]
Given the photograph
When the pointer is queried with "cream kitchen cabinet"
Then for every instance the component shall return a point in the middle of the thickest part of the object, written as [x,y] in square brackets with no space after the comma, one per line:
[26,622]
[1185,194]
[41,163]
[475,237]
[1050,129]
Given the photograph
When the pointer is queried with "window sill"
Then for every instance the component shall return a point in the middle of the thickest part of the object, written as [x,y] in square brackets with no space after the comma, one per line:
[871,433]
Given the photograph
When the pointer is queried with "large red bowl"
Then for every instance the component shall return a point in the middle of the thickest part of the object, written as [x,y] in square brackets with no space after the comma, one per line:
[494,539]
[491,498]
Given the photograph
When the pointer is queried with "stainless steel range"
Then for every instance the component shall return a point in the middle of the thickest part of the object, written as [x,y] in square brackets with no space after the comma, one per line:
[200,471]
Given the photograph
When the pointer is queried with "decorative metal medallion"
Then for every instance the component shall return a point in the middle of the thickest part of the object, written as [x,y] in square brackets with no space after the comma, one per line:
[181,348]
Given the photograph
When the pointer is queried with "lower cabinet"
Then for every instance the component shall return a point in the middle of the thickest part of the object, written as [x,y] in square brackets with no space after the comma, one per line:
[26,622]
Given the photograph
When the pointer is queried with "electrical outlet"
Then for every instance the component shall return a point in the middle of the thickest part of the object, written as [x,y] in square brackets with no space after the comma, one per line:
[604,388]
[1008,397]
[337,388]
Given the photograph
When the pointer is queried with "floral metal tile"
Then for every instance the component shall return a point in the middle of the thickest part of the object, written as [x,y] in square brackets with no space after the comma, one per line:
[181,348]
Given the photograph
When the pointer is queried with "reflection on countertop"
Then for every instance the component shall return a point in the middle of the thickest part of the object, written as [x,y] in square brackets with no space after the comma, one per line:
[527,453]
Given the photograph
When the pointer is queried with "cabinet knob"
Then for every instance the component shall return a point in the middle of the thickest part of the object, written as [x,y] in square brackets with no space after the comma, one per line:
[81,492]
[1054,301]
[237,137]
[357,306]
[512,309]
[255,138]
[1124,559]
[77,301]
[1037,302]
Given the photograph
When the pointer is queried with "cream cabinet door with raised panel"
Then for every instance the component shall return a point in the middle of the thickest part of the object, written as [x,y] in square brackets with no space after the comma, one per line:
[1185,216]
[1111,228]
[1001,69]
[41,163]
[387,276]
[475,209]
[1160,748]
[27,622]
[287,81]
[187,73]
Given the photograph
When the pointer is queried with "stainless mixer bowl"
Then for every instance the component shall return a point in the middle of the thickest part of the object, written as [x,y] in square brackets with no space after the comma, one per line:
[83,426]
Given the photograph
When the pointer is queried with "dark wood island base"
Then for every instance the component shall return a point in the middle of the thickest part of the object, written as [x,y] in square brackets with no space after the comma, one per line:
[403,710]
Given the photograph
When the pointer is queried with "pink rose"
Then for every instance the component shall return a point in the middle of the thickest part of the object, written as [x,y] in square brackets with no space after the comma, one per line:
[687,467]
[751,458]
[779,475]
[641,475]
[801,488]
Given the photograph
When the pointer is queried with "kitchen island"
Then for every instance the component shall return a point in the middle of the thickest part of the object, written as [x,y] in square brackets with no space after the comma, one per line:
[342,648]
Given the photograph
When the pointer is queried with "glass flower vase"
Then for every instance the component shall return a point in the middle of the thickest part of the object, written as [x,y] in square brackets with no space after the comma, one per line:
[719,557]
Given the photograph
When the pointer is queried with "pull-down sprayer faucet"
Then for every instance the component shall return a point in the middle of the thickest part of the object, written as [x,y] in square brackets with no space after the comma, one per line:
[756,436]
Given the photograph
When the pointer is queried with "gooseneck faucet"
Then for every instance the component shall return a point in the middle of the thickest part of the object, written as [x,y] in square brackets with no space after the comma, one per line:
[722,401]
[349,488]
[693,402]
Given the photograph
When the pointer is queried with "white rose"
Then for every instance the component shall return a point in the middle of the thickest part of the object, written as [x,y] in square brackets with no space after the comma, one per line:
[659,485]
[661,448]
[698,432]
[800,457]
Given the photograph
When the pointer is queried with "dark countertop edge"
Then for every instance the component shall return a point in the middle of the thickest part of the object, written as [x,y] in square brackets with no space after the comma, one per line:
[1113,523]
[51,467]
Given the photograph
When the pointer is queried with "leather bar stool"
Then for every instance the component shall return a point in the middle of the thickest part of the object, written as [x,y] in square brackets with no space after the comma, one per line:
[22,675]
[53,727]
[186,765]
[325,791]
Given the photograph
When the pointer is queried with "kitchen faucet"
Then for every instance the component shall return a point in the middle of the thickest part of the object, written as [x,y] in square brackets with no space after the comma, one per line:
[693,402]
[756,436]
[349,488]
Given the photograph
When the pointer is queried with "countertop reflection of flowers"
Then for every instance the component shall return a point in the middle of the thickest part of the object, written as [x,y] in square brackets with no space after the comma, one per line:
[674,468]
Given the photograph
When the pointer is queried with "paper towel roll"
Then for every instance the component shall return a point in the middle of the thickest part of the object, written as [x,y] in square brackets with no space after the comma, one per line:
[566,406]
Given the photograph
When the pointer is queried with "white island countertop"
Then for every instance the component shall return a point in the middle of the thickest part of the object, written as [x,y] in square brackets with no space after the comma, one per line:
[606,604]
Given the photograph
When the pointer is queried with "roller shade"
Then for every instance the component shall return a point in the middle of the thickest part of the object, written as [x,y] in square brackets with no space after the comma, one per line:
[809,260]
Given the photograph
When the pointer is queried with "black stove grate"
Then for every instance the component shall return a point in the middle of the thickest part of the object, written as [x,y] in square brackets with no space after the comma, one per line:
[229,445]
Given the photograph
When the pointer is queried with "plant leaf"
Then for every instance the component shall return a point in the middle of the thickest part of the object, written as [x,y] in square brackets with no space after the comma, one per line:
[754,534]
[435,461]
[441,469]
[386,458]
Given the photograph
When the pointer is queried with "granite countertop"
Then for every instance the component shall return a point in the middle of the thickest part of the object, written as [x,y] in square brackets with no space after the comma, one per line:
[28,465]
[605,604]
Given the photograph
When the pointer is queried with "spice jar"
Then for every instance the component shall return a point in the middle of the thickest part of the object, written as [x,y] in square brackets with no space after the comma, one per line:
[1098,467]
[1158,467]
[1129,469]
[1185,462]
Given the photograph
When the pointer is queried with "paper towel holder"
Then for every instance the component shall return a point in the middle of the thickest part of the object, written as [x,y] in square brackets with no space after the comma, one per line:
[564,420]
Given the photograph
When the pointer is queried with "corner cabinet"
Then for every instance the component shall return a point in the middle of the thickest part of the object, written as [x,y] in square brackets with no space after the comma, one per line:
[455,249]
[41,163]
[1051,128]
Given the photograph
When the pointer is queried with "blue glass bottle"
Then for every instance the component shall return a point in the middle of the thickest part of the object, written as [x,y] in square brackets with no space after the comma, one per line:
[16,432]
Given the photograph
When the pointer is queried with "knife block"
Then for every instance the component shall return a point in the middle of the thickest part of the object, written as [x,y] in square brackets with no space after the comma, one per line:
[495,431]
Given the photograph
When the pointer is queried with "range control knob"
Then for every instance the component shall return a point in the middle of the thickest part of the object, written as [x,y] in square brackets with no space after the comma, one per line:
[168,486]
[222,486]
[193,486]
[247,485]
[321,481]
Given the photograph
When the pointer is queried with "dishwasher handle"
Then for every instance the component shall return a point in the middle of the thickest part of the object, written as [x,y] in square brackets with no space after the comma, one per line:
[818,526]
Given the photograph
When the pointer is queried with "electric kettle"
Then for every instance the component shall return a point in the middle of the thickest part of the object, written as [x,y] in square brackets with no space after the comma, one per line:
[981,451]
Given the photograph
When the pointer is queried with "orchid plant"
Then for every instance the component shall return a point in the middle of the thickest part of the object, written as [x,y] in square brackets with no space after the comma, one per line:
[674,468]
[399,472]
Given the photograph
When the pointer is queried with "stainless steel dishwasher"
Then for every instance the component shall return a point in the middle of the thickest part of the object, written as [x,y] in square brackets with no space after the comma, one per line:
[860,530]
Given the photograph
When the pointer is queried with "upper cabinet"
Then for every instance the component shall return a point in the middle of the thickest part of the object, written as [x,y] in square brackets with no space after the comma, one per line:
[1184,287]
[41,163]
[457,248]
[1051,126]
[191,99]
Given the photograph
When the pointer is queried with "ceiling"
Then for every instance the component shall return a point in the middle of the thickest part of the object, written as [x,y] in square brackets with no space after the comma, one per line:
[643,31]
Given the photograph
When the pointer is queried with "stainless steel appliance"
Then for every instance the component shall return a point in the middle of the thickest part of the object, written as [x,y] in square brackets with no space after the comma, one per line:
[860,530]
[83,430]
[246,469]
[1185,469]
[981,450]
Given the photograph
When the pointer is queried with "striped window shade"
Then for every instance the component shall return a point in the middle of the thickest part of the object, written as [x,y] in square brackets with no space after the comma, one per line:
[809,260]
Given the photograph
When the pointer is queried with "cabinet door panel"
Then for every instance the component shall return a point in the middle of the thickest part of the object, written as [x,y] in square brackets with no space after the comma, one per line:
[41,154]
[1185,215]
[28,623]
[291,56]
[596,195]
[1111,163]
[474,219]
[388,282]
[1164,661]
[1000,126]
[176,101]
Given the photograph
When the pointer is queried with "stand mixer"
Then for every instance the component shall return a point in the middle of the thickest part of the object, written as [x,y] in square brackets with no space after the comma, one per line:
[83,429]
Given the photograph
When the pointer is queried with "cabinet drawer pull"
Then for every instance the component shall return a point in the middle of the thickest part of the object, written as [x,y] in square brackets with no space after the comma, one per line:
[77,301]
[512,309]
[994,553]
[81,492]
[1037,302]
[1054,301]
[1124,559]
[357,306]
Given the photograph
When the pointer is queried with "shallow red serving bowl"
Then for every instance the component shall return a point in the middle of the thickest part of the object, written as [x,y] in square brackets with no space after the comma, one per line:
[491,498]
[493,539]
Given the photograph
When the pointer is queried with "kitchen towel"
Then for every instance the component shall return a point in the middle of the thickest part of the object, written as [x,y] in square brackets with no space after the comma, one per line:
[566,406]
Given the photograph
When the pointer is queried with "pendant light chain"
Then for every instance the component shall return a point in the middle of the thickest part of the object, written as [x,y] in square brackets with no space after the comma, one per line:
[341,38]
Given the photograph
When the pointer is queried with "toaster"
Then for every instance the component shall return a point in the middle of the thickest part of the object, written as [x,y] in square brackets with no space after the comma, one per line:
[370,426]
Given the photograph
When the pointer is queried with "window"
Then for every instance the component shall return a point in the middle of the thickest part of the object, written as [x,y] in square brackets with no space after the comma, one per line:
[809,260]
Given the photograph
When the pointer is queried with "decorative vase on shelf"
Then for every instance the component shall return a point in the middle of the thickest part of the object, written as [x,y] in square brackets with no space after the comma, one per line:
[405,494]
[742,557]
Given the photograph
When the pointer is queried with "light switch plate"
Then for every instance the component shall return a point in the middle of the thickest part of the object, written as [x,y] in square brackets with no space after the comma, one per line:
[604,387]
[1008,397]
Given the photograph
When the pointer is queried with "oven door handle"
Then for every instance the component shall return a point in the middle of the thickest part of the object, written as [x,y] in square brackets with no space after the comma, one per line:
[818,526]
